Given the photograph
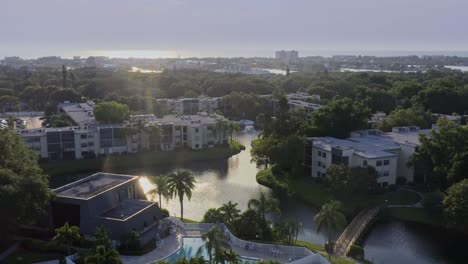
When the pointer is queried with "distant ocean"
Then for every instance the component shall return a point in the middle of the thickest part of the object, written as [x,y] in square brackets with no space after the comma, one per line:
[133,53]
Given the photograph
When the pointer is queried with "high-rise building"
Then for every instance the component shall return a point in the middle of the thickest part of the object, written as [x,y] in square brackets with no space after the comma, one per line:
[287,56]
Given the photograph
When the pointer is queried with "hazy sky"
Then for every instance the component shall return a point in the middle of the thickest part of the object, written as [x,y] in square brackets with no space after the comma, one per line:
[229,28]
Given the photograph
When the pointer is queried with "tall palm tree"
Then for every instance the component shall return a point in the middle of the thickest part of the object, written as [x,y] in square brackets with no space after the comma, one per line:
[215,244]
[230,212]
[103,255]
[181,183]
[161,187]
[263,205]
[67,235]
[232,127]
[155,134]
[330,216]
[221,127]
[140,126]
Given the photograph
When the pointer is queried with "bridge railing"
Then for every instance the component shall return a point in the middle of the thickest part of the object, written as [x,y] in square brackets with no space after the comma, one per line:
[369,215]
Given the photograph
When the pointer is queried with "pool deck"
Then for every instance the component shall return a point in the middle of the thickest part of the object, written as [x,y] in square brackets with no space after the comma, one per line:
[282,258]
[172,243]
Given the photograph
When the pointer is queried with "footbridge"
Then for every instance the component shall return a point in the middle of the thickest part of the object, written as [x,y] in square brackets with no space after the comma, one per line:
[355,230]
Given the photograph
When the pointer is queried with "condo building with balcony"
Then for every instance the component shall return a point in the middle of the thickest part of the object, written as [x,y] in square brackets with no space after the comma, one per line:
[389,153]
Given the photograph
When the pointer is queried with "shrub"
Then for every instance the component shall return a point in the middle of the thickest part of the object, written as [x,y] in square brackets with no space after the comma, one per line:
[356,252]
[43,246]
[392,187]
[165,212]
[400,180]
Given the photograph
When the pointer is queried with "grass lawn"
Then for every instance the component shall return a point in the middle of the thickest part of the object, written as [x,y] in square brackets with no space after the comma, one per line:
[401,197]
[23,256]
[317,194]
[321,250]
[417,215]
[186,220]
[56,169]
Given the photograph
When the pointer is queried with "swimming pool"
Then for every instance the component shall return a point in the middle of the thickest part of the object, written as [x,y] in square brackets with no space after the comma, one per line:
[190,246]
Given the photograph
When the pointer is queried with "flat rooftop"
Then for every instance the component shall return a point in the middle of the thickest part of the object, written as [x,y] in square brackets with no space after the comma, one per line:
[199,119]
[368,147]
[81,113]
[93,185]
[126,209]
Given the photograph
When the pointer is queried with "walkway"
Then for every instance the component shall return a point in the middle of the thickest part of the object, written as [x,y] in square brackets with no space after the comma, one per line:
[354,231]
[9,251]
[166,248]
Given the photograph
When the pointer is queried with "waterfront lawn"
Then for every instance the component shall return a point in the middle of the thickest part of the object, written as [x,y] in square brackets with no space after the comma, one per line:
[187,220]
[139,160]
[417,215]
[24,256]
[401,197]
[321,250]
[317,194]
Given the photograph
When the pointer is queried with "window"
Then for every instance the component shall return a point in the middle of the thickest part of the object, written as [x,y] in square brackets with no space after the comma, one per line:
[379,163]
[319,153]
[91,144]
[197,146]
[385,173]
[386,162]
[197,138]
[324,155]
[83,136]
[84,145]
[364,163]
[319,164]
[318,173]
[196,130]
[323,165]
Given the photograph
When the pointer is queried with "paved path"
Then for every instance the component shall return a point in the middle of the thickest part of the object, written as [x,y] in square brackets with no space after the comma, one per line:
[9,251]
[167,246]
[415,205]
[354,230]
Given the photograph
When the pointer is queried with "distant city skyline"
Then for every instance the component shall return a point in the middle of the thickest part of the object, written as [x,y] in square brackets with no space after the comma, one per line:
[213,28]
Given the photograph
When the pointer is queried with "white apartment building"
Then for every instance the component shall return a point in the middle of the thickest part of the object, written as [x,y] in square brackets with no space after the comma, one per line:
[191,131]
[191,106]
[79,142]
[388,153]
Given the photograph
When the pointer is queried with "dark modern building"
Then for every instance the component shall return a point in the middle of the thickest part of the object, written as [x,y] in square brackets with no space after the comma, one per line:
[110,200]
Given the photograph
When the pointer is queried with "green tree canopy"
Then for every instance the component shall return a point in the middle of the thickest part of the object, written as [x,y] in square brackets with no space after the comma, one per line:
[24,190]
[455,206]
[440,155]
[111,112]
[415,116]
[340,117]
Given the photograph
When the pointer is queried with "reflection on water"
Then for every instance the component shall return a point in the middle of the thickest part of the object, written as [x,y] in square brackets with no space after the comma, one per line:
[234,180]
[399,242]
[217,182]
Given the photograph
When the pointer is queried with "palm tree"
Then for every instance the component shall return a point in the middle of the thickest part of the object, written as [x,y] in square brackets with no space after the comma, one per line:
[161,188]
[330,216]
[155,134]
[221,127]
[103,255]
[215,244]
[140,126]
[263,205]
[181,183]
[230,212]
[67,235]
[232,127]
